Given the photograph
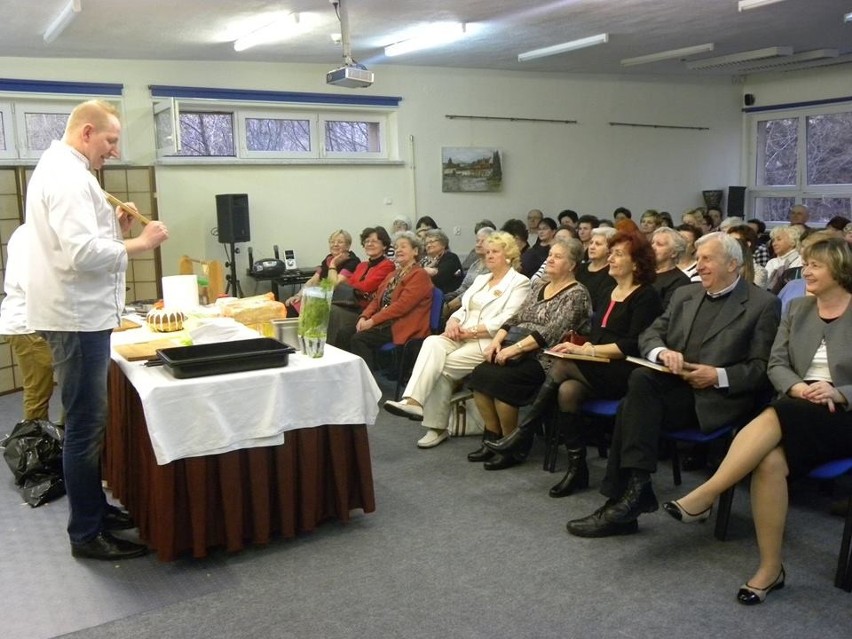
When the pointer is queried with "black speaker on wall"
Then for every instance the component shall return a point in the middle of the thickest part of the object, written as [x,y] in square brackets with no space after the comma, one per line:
[736,201]
[232,218]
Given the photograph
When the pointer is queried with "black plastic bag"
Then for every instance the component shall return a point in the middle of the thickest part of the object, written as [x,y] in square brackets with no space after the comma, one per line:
[33,451]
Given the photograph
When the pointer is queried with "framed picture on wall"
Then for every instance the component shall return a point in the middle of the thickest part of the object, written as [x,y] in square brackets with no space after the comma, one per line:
[471,170]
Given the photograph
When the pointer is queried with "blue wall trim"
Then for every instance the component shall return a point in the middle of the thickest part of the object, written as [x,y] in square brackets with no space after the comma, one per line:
[797,105]
[50,86]
[292,97]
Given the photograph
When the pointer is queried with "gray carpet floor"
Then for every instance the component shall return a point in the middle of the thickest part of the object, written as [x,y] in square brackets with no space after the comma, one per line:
[451,551]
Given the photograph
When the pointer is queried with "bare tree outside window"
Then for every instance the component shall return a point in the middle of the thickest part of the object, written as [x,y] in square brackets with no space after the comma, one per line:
[352,136]
[776,156]
[773,209]
[274,134]
[830,148]
[43,128]
[207,134]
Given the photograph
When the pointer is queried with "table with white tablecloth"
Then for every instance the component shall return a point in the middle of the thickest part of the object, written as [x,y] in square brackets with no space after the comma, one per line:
[222,460]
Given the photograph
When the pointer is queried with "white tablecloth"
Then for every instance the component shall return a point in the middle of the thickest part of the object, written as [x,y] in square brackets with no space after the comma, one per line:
[220,413]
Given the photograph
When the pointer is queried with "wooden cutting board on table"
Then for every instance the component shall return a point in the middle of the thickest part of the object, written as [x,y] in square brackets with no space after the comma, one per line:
[145,350]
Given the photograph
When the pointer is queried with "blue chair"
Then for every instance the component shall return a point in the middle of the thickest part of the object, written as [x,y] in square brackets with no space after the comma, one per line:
[594,408]
[791,290]
[827,472]
[404,355]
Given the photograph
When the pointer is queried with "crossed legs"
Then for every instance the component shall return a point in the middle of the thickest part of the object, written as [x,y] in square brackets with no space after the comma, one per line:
[756,449]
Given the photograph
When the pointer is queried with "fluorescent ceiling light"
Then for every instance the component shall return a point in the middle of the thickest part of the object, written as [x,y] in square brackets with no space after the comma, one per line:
[667,55]
[433,36]
[737,58]
[61,22]
[795,59]
[745,5]
[290,25]
[556,49]
[825,62]
[847,17]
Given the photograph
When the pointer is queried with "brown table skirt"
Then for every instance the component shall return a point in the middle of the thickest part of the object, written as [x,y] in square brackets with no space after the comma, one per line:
[244,496]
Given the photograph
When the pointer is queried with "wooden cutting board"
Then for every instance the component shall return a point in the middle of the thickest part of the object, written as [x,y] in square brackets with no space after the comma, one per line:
[145,350]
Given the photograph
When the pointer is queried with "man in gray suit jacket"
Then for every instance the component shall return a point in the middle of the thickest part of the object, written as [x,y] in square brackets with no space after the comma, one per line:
[715,338]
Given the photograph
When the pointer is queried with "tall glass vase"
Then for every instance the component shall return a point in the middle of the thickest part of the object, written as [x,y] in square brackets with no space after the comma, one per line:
[313,319]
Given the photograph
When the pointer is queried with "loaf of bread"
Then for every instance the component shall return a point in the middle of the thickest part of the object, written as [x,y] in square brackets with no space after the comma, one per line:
[254,311]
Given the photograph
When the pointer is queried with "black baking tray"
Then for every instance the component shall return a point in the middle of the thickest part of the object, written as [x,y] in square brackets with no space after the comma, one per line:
[225,357]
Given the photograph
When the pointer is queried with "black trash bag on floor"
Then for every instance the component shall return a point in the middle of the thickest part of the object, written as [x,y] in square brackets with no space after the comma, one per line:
[33,451]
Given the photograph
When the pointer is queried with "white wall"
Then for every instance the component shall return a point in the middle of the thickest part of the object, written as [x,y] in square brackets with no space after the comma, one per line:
[590,167]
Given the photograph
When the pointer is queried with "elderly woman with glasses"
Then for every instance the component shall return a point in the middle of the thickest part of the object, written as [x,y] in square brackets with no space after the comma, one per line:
[399,311]
[442,265]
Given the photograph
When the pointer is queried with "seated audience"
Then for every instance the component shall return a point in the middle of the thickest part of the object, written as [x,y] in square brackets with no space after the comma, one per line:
[631,307]
[534,257]
[585,225]
[452,300]
[424,224]
[752,271]
[337,267]
[837,225]
[567,219]
[785,244]
[668,246]
[399,311]
[810,423]
[594,274]
[562,234]
[513,369]
[649,222]
[534,216]
[621,213]
[715,216]
[474,257]
[517,229]
[442,265]
[444,359]
[666,219]
[363,282]
[715,339]
[687,262]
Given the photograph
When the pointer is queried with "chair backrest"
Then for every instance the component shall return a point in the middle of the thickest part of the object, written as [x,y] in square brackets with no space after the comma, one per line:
[791,290]
[435,319]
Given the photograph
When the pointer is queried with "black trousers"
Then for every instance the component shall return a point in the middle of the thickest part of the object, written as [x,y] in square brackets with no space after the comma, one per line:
[654,402]
[365,343]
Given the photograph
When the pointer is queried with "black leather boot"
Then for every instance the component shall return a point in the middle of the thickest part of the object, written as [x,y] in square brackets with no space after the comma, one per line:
[577,475]
[637,499]
[521,439]
[482,453]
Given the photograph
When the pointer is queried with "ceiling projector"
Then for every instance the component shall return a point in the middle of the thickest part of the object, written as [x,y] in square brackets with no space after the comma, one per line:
[350,77]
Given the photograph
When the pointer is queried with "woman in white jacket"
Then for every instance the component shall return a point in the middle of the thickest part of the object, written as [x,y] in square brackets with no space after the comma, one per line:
[444,359]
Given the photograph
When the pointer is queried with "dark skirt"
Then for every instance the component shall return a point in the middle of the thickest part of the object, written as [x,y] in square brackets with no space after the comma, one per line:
[607,381]
[811,435]
[516,383]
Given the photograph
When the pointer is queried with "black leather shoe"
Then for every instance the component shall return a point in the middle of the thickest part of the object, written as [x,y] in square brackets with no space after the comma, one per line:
[576,477]
[596,525]
[637,499]
[482,453]
[109,548]
[519,439]
[501,461]
[117,519]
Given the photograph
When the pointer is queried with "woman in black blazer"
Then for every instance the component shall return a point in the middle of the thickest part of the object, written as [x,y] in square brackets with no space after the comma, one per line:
[809,424]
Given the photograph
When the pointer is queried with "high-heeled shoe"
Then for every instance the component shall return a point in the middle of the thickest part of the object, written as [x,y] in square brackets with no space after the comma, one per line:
[483,453]
[682,515]
[748,595]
